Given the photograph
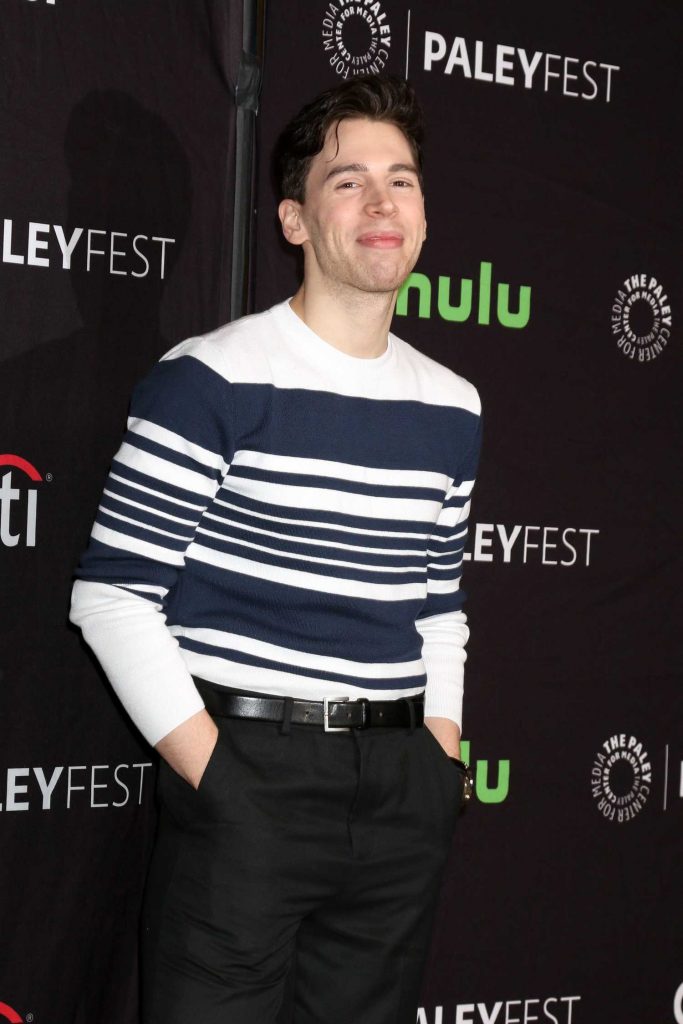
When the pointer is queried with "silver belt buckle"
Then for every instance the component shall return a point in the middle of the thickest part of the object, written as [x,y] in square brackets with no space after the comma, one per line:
[326,714]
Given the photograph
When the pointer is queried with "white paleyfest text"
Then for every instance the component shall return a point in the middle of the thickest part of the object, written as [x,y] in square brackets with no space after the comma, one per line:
[549,1010]
[116,252]
[514,66]
[547,545]
[74,786]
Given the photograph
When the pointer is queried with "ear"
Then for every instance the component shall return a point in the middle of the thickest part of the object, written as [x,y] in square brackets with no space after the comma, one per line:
[289,212]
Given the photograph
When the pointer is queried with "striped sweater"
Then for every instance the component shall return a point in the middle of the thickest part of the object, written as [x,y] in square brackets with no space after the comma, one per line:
[285,518]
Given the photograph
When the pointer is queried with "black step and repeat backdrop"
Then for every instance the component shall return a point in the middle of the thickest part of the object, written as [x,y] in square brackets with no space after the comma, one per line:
[116,178]
[551,279]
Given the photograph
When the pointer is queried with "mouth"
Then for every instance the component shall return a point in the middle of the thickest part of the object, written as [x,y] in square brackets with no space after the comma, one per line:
[381,240]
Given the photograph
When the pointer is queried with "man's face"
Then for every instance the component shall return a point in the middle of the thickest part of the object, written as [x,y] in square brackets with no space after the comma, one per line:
[362,223]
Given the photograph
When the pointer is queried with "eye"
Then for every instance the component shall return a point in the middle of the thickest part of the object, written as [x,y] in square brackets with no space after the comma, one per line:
[348,185]
[402,183]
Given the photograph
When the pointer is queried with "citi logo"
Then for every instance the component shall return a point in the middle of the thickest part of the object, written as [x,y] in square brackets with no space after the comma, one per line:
[455,301]
[7,1013]
[485,789]
[17,521]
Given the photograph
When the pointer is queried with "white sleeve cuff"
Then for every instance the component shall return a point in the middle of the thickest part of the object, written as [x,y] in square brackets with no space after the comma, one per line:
[139,656]
[443,653]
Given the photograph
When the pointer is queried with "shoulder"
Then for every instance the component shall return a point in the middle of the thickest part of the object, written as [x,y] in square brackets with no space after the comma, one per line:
[233,350]
[436,383]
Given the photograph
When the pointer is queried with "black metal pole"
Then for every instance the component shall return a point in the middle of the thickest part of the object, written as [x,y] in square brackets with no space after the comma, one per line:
[246,99]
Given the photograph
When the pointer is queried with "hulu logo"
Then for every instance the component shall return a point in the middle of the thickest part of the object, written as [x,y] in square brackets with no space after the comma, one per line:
[485,789]
[447,297]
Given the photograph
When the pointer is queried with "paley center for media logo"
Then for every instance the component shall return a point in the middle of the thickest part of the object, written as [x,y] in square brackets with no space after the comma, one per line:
[18,506]
[455,300]
[621,778]
[641,318]
[624,777]
[356,36]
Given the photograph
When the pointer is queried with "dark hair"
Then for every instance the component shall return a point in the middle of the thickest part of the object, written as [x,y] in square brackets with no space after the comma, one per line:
[377,97]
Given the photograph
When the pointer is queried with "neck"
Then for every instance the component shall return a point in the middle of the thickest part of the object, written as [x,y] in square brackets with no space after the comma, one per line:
[355,322]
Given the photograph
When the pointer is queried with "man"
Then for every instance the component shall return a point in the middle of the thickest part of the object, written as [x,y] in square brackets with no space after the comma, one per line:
[272,586]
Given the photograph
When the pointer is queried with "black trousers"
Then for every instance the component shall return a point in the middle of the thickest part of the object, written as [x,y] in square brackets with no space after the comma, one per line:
[298,884]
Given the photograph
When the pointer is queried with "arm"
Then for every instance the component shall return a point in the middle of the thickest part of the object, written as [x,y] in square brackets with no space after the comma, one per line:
[162,479]
[442,623]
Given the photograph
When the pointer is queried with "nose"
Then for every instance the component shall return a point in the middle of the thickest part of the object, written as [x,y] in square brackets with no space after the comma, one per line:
[381,201]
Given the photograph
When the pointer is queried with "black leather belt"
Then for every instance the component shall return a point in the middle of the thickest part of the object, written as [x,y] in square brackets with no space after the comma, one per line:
[334,714]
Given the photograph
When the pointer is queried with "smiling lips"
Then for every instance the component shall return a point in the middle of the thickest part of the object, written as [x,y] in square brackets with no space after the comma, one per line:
[381,240]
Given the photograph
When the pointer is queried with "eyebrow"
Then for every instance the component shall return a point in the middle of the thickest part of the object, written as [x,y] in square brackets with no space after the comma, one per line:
[363,169]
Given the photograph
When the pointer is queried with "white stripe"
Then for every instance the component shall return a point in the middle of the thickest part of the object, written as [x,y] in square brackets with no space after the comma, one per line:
[442,586]
[148,508]
[458,490]
[285,684]
[144,526]
[449,565]
[311,558]
[309,540]
[177,443]
[320,526]
[157,494]
[453,516]
[123,542]
[167,472]
[301,659]
[307,580]
[342,470]
[327,499]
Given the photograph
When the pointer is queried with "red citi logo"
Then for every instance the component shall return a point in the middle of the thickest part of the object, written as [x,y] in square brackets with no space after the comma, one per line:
[14,519]
[7,1013]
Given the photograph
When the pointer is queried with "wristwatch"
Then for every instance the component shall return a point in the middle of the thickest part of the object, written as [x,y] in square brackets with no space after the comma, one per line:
[468,779]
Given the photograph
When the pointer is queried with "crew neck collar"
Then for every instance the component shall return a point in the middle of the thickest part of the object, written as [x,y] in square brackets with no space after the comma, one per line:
[325,354]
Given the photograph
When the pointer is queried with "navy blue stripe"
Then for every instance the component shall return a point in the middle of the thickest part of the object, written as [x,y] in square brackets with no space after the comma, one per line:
[153,598]
[318,569]
[187,397]
[291,531]
[291,617]
[139,533]
[111,504]
[162,451]
[389,433]
[242,658]
[445,533]
[160,505]
[303,550]
[102,563]
[165,486]
[338,484]
[437,604]
[323,516]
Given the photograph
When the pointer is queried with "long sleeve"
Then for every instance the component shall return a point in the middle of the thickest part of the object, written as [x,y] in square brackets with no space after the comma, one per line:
[442,623]
[175,454]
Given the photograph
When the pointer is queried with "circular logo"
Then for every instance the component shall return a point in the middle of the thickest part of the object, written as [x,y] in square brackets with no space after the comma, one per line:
[621,777]
[356,37]
[641,318]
